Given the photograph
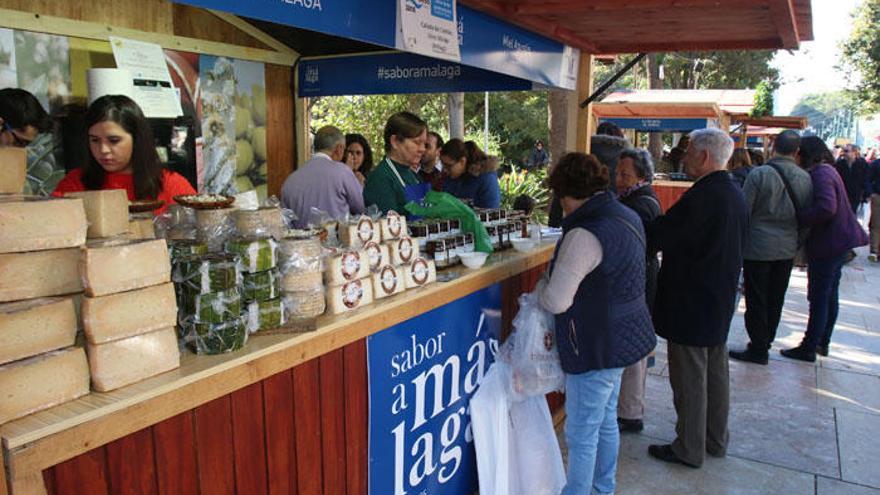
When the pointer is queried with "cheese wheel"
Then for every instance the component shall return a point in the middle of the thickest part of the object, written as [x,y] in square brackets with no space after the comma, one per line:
[349,296]
[387,281]
[13,169]
[106,211]
[294,282]
[36,224]
[39,274]
[347,266]
[297,254]
[126,361]
[359,232]
[378,255]
[141,228]
[125,314]
[393,226]
[403,250]
[28,328]
[43,381]
[262,222]
[305,304]
[117,266]
[419,273]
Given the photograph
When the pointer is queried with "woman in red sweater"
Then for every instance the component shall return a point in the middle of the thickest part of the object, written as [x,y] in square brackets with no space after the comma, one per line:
[123,156]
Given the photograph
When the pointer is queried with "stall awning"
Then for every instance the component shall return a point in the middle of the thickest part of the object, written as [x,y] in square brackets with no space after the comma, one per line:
[661,125]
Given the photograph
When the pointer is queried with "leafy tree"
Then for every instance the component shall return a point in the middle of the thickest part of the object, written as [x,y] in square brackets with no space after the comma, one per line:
[516,120]
[830,115]
[861,55]
[763,99]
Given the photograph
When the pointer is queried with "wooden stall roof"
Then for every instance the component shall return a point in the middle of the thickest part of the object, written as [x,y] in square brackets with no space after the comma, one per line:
[668,103]
[630,26]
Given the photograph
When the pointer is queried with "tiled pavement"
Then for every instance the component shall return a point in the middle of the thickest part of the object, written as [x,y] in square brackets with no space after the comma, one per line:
[795,428]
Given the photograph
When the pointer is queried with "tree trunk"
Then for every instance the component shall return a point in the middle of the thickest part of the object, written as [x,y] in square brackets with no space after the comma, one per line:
[655,139]
[456,115]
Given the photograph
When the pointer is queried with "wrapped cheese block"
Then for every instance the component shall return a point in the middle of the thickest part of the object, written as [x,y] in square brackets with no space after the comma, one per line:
[43,381]
[28,328]
[261,286]
[262,222]
[130,360]
[13,169]
[359,232]
[184,248]
[393,226]
[387,282]
[264,315]
[378,255]
[347,266]
[216,338]
[120,265]
[305,304]
[296,282]
[39,274]
[420,272]
[141,228]
[106,211]
[214,226]
[214,307]
[403,250]
[121,315]
[209,273]
[302,255]
[36,224]
[349,296]
[257,255]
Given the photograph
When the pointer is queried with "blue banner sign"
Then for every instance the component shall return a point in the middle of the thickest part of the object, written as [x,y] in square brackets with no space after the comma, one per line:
[397,73]
[660,125]
[422,375]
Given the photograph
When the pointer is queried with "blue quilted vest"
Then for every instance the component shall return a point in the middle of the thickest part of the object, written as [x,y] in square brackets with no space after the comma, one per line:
[608,324]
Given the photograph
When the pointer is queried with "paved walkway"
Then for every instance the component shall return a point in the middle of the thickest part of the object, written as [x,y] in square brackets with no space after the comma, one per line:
[795,428]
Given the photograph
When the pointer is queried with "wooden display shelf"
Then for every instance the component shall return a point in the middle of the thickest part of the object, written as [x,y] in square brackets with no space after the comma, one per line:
[50,437]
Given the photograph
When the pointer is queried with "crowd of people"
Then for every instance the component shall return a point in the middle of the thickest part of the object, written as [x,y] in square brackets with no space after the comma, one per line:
[744,219]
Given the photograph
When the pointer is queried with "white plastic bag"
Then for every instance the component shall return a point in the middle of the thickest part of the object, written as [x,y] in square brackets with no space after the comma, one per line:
[516,446]
[531,351]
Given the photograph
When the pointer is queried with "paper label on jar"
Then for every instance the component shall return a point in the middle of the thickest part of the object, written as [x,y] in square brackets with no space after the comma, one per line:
[405,249]
[352,293]
[351,265]
[389,280]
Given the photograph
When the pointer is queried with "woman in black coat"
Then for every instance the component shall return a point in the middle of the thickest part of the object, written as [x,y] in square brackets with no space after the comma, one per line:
[635,169]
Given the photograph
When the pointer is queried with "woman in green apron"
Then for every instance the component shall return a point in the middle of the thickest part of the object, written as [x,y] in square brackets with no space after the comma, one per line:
[392,183]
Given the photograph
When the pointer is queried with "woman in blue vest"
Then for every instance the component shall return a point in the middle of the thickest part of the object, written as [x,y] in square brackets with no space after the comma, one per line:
[596,289]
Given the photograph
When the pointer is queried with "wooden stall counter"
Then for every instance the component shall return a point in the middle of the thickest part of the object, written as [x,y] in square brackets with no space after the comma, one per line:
[151,433]
[670,191]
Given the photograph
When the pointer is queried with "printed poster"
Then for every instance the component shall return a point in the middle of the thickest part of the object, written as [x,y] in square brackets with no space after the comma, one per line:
[428,27]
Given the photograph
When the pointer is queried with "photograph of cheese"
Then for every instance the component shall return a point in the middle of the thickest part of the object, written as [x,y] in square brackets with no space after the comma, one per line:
[43,66]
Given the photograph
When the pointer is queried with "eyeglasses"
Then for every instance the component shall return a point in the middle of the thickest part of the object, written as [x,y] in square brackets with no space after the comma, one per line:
[17,140]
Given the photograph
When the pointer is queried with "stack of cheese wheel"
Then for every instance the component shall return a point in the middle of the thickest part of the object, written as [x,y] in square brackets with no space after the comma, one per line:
[214,227]
[358,232]
[39,270]
[209,291]
[261,282]
[267,221]
[302,281]
[129,311]
[398,249]
[348,281]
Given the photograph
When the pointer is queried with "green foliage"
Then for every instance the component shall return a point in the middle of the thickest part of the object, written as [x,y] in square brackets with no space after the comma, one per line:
[830,115]
[763,99]
[735,69]
[533,184]
[861,55]
[516,119]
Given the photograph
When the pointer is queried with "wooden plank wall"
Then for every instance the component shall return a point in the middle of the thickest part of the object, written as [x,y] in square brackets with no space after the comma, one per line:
[280,126]
[303,430]
[156,16]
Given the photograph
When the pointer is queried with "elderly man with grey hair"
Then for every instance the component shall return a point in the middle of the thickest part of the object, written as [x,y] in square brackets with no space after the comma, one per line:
[323,183]
[635,169]
[701,238]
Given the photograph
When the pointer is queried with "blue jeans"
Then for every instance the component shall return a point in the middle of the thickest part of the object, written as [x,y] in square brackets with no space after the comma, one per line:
[591,431]
[823,281]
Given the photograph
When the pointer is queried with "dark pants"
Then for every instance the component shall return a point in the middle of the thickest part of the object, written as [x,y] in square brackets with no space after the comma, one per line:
[765,284]
[701,394]
[823,282]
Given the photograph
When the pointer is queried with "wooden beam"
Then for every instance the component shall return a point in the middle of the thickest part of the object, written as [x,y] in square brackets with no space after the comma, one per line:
[16,19]
[783,14]
[549,29]
[254,32]
[584,115]
[690,45]
[596,6]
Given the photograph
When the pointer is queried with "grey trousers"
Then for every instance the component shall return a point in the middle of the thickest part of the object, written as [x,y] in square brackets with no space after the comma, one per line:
[631,402]
[701,392]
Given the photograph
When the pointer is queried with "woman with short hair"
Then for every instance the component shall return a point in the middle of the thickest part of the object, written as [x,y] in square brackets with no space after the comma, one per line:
[595,287]
[392,183]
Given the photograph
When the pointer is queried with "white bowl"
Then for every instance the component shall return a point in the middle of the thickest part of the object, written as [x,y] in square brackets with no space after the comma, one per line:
[525,244]
[473,260]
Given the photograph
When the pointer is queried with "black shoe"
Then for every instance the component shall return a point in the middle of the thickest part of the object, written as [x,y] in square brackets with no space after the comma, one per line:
[630,425]
[749,355]
[800,353]
[665,454]
[822,350]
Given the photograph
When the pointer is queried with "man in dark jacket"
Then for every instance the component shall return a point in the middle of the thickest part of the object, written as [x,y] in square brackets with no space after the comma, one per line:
[853,169]
[701,238]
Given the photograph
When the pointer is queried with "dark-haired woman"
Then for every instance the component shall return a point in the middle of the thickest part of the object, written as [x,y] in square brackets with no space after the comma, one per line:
[123,156]
[596,290]
[470,173]
[392,184]
[358,156]
[834,230]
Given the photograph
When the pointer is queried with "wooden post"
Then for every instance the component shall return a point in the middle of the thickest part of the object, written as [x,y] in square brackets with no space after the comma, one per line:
[584,90]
